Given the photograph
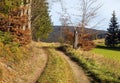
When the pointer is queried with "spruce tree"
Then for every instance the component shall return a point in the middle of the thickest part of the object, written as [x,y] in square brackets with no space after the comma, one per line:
[41,22]
[119,36]
[111,39]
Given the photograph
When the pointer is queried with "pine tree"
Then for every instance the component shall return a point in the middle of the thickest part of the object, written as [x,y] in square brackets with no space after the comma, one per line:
[119,36]
[111,39]
[41,22]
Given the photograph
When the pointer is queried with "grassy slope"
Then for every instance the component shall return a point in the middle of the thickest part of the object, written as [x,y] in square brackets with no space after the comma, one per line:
[20,64]
[57,70]
[10,56]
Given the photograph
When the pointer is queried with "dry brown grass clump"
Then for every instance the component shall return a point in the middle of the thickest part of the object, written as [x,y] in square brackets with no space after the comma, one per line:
[99,41]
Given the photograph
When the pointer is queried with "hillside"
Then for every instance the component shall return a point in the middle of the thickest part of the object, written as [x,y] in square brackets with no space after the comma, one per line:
[55,34]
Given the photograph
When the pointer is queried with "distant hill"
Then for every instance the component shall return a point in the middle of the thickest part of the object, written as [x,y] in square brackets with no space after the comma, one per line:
[55,34]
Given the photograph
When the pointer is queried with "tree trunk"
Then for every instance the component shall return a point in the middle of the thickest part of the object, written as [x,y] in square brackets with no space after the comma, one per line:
[26,11]
[75,43]
[38,39]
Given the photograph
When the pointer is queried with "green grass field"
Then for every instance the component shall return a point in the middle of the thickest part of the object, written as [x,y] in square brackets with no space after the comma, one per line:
[107,52]
[101,49]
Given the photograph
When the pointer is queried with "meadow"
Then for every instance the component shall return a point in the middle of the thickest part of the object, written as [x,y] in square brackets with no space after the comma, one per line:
[113,53]
[101,49]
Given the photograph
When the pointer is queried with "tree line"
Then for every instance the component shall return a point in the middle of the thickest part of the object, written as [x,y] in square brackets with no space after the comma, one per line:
[25,20]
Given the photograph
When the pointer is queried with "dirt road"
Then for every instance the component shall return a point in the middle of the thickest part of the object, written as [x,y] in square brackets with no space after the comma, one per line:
[80,76]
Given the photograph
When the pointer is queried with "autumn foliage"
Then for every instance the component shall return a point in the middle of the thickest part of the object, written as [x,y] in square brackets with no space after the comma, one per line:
[68,36]
[13,23]
[85,41]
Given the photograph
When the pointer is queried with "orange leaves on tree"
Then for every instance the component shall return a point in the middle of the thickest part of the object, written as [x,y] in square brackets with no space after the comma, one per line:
[84,41]
[14,23]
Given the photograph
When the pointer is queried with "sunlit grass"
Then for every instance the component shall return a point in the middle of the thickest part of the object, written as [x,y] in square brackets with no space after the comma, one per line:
[108,53]
[101,49]
[45,44]
[12,53]
[99,41]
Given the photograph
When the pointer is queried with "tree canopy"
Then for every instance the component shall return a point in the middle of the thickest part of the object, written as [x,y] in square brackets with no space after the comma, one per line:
[41,22]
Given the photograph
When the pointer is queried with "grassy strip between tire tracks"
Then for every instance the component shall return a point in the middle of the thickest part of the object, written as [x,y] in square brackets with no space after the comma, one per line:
[98,72]
[57,69]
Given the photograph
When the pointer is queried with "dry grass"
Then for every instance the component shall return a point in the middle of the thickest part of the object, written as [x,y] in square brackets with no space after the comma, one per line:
[44,44]
[99,41]
[25,69]
[13,54]
[110,64]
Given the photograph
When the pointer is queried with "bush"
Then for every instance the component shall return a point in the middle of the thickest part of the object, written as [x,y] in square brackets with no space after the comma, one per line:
[5,37]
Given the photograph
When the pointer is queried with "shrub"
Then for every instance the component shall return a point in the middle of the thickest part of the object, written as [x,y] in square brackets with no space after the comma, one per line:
[5,37]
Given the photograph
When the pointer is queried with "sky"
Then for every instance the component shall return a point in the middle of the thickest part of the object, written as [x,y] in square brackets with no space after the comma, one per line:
[104,14]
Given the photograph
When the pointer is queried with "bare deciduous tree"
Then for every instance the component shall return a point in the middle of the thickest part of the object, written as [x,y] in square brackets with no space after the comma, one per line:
[87,12]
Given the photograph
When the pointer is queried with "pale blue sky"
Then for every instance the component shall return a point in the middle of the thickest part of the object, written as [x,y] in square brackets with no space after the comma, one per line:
[103,13]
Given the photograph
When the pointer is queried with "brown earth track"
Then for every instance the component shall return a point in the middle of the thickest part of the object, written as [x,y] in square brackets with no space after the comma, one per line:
[80,75]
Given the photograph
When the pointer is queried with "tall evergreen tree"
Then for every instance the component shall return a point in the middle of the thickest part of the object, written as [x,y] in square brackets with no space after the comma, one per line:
[119,35]
[111,39]
[41,22]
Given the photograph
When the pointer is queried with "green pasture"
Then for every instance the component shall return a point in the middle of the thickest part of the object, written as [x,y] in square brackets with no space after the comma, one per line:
[112,53]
